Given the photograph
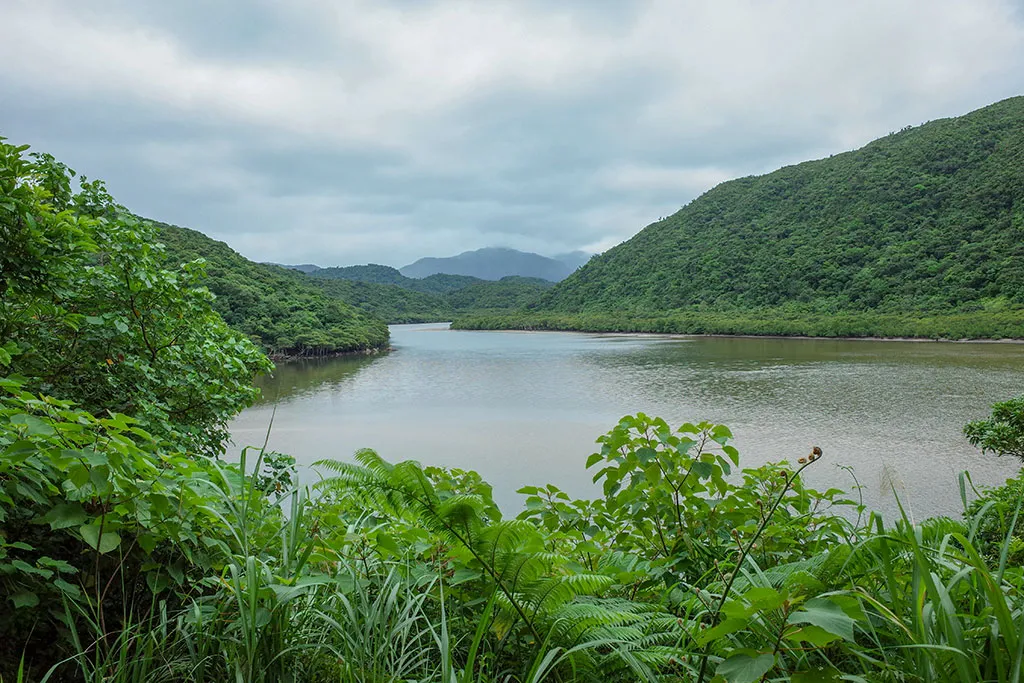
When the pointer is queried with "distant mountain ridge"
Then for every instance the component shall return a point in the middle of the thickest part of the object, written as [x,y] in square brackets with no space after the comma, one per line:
[494,263]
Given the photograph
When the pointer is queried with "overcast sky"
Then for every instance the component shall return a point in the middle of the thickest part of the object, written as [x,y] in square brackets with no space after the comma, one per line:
[348,131]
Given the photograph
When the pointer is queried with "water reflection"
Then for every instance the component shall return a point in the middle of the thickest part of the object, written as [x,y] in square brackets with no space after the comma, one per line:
[525,408]
[292,380]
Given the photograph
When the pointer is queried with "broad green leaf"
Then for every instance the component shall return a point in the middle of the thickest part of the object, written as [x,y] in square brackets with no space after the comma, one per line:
[65,515]
[78,475]
[744,668]
[728,626]
[387,542]
[69,588]
[91,534]
[25,599]
[764,598]
[825,674]
[827,615]
[815,635]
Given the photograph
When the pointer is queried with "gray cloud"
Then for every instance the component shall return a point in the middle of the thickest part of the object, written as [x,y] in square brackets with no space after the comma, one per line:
[346,131]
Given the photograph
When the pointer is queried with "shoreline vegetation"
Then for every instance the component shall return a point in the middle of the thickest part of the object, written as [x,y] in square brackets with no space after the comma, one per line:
[974,326]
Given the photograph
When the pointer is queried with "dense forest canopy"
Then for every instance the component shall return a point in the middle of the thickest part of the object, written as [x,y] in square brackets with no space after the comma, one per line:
[508,293]
[389,295]
[929,219]
[280,308]
[438,283]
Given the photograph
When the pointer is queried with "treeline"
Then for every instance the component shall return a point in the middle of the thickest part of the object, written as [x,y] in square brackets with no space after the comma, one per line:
[1007,324]
[389,295]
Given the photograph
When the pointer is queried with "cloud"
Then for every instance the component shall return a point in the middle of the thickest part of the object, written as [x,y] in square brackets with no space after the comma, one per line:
[345,131]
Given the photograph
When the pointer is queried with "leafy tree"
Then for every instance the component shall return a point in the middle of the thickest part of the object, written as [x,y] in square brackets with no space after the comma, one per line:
[1003,432]
[100,321]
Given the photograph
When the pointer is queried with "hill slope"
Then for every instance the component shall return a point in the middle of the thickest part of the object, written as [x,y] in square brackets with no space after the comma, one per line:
[508,293]
[439,283]
[391,303]
[930,219]
[492,263]
[282,309]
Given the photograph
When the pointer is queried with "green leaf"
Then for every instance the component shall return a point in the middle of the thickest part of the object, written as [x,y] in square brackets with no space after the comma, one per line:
[815,635]
[593,459]
[743,668]
[764,598]
[91,534]
[79,475]
[827,615]
[825,674]
[69,588]
[703,470]
[65,515]
[387,543]
[728,626]
[25,599]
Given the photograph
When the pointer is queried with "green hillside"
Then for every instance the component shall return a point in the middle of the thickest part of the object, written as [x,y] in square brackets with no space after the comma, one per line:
[391,303]
[283,310]
[439,283]
[925,222]
[512,292]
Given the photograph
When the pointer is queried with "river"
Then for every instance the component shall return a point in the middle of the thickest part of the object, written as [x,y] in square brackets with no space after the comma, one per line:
[525,407]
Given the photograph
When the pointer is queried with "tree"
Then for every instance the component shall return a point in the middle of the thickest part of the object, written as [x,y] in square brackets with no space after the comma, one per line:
[90,312]
[1003,432]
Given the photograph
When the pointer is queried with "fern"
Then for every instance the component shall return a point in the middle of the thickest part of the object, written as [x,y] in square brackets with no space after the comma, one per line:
[509,552]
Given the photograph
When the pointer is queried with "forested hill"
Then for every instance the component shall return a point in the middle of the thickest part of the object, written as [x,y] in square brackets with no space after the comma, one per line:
[282,309]
[439,283]
[390,295]
[926,220]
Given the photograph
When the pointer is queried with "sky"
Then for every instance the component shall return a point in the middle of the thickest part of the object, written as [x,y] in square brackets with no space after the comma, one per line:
[338,132]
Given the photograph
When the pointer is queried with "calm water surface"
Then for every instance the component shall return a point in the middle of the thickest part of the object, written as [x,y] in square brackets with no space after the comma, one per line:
[525,408]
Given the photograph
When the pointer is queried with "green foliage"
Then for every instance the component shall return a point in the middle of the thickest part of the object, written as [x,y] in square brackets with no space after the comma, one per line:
[508,293]
[1003,433]
[392,303]
[788,321]
[390,295]
[923,222]
[439,283]
[278,308]
[102,322]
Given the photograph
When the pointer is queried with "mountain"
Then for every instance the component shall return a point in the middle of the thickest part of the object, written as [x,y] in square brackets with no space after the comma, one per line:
[928,220]
[492,263]
[281,309]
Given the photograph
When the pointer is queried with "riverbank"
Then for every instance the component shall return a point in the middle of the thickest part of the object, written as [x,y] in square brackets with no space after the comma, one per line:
[1002,326]
[286,357]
